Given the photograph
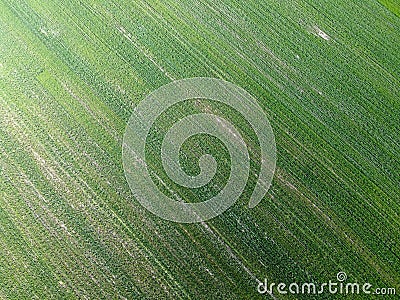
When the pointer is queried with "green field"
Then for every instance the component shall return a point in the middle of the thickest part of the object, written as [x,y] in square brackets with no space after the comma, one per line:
[327,75]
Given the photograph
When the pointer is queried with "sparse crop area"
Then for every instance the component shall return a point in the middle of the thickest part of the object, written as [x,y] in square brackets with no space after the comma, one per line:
[327,75]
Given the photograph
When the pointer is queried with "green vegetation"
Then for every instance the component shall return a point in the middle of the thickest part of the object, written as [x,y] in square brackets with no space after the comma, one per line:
[325,72]
[392,5]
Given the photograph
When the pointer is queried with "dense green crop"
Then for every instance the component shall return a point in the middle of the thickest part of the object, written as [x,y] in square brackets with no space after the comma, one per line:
[326,73]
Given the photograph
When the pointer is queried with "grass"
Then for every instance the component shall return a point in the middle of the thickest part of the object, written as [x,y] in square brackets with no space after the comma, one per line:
[70,76]
[392,5]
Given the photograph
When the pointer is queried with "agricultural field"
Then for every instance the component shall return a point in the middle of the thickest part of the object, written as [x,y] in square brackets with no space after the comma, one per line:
[326,75]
